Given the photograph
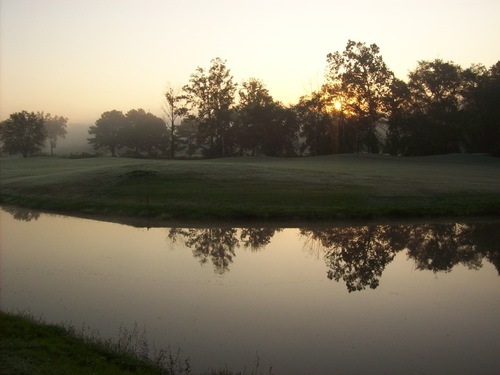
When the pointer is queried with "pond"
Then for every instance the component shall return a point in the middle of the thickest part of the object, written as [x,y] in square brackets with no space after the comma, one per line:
[338,299]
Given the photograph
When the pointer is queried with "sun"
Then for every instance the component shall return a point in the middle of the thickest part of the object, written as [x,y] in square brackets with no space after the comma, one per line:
[338,105]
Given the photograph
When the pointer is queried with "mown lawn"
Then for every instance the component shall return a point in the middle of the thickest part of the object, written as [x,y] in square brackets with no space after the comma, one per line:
[316,188]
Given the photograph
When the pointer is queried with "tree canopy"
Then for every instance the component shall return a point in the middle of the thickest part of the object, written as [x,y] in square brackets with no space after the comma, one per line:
[55,127]
[211,95]
[23,133]
[107,132]
[359,78]
[137,131]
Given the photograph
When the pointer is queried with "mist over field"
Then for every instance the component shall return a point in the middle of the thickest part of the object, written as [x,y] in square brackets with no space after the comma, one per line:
[75,141]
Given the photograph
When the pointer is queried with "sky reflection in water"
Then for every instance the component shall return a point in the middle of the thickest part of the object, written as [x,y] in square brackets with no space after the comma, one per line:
[344,299]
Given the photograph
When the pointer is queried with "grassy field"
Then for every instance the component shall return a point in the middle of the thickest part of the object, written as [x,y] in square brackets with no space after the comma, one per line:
[261,188]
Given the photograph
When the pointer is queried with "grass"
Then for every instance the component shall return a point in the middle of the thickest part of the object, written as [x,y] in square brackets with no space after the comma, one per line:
[30,346]
[318,188]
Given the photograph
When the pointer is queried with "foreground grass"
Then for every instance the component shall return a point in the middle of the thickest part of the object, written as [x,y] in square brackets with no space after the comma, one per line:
[30,346]
[319,188]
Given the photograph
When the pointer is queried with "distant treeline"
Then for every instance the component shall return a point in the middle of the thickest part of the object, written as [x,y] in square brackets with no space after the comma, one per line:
[362,107]
[442,108]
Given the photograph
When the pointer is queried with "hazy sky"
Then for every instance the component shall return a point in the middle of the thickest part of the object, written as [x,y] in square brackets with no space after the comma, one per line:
[79,58]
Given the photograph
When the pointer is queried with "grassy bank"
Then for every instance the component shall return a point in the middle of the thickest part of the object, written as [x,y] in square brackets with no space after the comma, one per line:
[32,347]
[319,188]
[28,346]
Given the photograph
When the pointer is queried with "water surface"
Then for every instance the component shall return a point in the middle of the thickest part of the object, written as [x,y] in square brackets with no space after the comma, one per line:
[413,298]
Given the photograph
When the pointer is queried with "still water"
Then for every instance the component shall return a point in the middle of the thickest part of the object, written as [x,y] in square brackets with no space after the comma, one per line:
[378,299]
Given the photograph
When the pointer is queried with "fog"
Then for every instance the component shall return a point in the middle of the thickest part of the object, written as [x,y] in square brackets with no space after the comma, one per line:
[74,142]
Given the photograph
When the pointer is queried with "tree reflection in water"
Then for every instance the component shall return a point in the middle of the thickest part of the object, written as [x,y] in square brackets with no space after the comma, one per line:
[257,238]
[216,244]
[440,247]
[357,255]
[219,244]
[22,214]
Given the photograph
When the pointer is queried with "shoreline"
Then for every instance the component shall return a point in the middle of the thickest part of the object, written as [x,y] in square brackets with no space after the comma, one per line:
[145,222]
[327,189]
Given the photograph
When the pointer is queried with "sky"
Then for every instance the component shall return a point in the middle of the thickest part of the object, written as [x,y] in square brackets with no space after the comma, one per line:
[80,58]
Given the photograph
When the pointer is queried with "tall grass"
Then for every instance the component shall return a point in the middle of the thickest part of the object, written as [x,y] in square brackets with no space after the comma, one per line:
[30,346]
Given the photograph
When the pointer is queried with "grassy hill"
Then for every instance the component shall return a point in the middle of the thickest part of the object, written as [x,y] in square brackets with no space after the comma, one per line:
[263,188]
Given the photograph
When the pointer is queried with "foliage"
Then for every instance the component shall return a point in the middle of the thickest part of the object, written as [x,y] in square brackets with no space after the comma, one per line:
[281,134]
[187,135]
[360,79]
[107,132]
[23,133]
[211,95]
[317,126]
[441,108]
[137,131]
[444,109]
[255,110]
[482,111]
[55,127]
[435,92]
[398,119]
[144,133]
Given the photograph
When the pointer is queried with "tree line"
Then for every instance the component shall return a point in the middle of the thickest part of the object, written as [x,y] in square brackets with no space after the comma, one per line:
[26,133]
[361,107]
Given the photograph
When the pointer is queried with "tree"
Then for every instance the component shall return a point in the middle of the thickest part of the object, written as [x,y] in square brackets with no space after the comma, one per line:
[211,95]
[55,127]
[23,133]
[187,134]
[108,131]
[317,127]
[254,112]
[144,132]
[174,109]
[436,95]
[471,124]
[359,78]
[280,136]
[400,111]
[482,95]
